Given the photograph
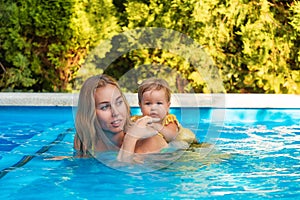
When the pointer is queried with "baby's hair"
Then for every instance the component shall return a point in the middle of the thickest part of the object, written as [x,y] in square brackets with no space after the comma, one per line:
[154,84]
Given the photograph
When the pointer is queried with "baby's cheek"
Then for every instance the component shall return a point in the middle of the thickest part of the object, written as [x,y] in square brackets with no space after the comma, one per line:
[145,111]
[163,111]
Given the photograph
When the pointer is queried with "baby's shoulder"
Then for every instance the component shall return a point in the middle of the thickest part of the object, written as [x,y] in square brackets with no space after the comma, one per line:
[170,118]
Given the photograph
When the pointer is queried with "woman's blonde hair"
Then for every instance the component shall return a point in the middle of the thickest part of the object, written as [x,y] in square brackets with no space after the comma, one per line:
[154,84]
[88,129]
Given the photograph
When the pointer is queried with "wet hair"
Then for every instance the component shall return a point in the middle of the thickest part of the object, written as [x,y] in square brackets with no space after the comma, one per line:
[154,84]
[88,129]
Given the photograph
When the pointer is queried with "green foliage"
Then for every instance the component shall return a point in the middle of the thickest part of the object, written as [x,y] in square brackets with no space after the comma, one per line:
[255,45]
[166,14]
[43,43]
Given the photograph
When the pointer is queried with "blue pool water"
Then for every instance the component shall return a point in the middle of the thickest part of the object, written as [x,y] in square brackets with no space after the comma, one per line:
[256,154]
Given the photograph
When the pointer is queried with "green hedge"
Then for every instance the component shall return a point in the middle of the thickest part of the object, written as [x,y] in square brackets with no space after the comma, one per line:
[255,44]
[43,43]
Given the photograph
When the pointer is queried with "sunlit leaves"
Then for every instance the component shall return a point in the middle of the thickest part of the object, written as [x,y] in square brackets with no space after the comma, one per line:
[254,44]
[52,38]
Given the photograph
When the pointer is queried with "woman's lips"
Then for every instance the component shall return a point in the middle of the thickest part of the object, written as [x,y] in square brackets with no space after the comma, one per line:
[116,123]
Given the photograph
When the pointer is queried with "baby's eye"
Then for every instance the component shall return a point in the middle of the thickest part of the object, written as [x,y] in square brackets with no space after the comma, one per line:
[159,103]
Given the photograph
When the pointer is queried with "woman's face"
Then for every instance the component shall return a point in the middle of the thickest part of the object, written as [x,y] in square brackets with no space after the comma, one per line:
[111,109]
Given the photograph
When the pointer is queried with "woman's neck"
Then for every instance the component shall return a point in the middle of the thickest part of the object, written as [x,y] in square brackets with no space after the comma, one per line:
[116,138]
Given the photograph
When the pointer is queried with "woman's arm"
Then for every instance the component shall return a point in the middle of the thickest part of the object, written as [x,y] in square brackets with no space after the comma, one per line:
[139,130]
[127,149]
[169,131]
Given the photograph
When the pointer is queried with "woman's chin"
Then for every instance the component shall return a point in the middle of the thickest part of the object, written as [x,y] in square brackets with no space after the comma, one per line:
[116,130]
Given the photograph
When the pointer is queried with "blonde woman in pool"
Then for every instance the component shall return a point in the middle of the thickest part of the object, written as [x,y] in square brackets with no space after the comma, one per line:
[103,122]
[154,97]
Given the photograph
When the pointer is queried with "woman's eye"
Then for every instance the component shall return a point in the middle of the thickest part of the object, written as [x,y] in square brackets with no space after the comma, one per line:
[104,107]
[119,102]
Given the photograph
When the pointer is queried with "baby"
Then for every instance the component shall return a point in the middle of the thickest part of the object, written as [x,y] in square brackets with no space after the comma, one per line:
[154,97]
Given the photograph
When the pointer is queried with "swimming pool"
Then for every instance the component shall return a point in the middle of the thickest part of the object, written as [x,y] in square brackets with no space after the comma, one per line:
[256,155]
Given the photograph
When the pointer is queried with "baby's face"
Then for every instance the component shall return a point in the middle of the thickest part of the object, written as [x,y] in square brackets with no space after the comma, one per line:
[155,104]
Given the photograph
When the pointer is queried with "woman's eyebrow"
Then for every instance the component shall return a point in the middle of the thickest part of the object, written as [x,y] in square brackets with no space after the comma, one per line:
[103,102]
[119,97]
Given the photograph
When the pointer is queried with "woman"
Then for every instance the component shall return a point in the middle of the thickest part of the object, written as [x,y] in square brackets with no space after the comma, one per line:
[103,121]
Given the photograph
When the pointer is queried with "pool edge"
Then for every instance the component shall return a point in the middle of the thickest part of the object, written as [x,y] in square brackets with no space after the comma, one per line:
[178,100]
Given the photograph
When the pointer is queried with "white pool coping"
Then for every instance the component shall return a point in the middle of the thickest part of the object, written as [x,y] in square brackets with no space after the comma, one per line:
[178,100]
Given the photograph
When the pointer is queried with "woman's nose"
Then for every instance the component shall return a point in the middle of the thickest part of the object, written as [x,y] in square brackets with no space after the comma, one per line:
[114,111]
